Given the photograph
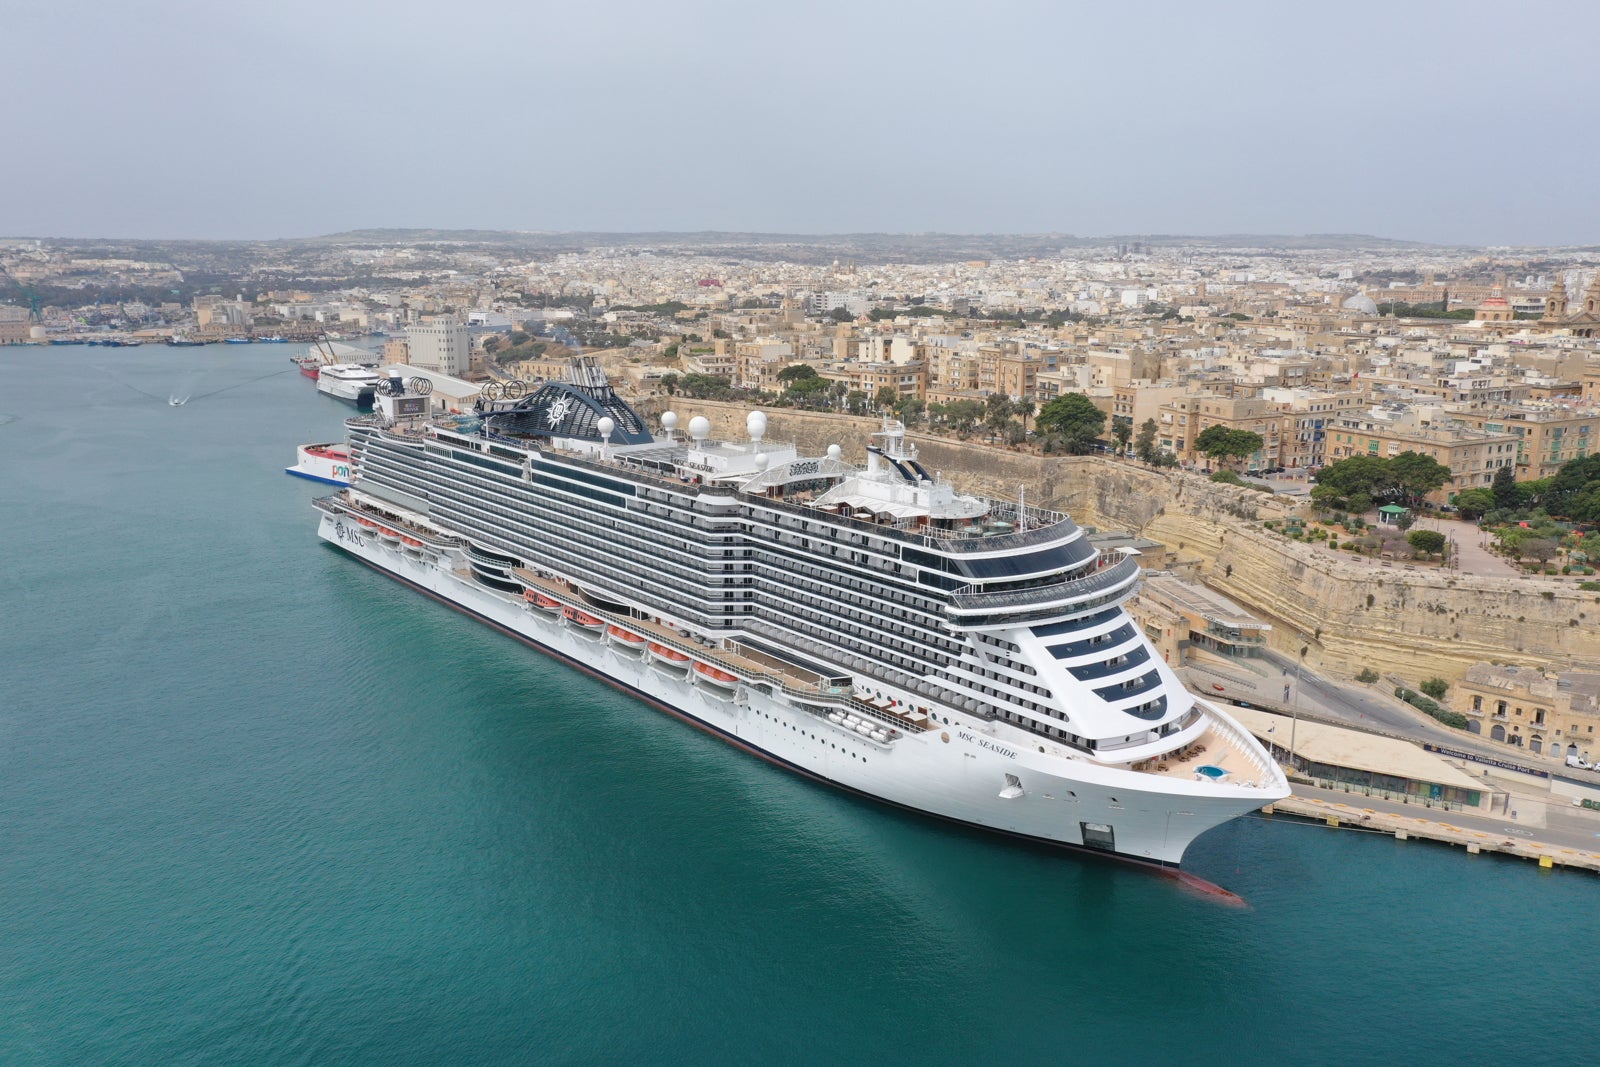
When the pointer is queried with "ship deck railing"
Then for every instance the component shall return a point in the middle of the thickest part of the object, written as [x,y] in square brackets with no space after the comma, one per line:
[337,504]
[1218,746]
[1105,578]
[727,655]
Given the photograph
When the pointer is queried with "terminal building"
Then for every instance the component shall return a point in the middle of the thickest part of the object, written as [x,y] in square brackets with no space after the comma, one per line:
[1366,764]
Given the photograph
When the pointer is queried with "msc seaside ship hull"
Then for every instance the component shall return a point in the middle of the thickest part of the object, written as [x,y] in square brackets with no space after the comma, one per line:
[957,770]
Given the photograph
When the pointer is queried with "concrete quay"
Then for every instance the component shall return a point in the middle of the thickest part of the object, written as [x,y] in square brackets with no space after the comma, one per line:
[1458,829]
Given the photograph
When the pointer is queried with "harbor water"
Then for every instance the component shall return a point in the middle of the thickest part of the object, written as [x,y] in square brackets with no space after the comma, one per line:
[259,804]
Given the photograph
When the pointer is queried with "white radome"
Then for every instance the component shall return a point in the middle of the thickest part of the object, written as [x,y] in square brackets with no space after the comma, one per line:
[699,427]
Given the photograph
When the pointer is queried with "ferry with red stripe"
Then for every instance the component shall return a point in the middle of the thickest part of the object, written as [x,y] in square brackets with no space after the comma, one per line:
[322,463]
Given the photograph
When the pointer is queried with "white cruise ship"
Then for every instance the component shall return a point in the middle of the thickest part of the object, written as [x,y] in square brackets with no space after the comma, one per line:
[353,383]
[868,627]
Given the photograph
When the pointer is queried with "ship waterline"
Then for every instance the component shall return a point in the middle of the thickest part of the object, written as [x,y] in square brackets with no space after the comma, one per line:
[867,628]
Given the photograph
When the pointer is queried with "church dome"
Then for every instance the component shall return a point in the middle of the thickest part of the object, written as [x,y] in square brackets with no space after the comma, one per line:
[1361,302]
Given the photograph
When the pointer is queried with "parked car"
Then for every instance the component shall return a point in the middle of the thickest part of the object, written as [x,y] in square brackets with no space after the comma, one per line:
[1577,761]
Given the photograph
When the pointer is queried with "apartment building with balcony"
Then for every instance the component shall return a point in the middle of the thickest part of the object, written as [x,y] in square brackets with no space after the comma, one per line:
[1545,714]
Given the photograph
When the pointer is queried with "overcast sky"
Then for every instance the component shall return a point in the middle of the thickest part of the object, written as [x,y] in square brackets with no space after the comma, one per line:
[1456,122]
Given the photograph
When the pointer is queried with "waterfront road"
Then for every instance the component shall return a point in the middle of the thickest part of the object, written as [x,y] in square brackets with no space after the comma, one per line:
[1563,827]
[1364,707]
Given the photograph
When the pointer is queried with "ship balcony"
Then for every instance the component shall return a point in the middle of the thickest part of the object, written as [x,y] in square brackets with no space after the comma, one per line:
[1103,586]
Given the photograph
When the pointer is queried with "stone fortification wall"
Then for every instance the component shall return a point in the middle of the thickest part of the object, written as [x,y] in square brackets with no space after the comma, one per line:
[1414,622]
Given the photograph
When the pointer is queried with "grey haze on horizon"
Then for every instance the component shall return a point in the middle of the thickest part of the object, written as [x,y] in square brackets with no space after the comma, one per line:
[1452,123]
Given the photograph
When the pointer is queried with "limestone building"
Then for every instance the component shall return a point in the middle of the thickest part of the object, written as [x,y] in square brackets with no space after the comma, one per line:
[1582,321]
[1546,714]
[442,346]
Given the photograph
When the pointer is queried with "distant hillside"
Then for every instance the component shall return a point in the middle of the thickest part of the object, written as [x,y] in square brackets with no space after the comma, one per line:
[879,247]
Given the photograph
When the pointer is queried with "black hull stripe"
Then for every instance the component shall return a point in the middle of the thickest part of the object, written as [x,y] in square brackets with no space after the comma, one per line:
[1162,866]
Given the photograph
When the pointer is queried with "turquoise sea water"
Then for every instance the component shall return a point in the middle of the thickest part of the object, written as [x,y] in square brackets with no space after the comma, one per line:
[259,804]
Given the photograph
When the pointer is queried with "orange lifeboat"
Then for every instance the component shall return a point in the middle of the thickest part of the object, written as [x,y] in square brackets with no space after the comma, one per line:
[623,637]
[539,600]
[410,542]
[582,618]
[368,523]
[715,676]
[669,657]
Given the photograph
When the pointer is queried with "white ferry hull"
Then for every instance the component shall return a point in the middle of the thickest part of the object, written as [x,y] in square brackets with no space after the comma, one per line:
[956,771]
[314,462]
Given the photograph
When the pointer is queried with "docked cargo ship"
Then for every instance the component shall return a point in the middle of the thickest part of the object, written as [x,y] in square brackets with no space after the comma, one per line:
[866,626]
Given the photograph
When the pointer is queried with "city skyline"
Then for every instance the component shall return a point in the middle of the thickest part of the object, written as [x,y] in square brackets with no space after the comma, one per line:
[1446,124]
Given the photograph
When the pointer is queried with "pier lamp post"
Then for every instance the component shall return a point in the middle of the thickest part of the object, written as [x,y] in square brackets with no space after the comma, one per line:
[1294,722]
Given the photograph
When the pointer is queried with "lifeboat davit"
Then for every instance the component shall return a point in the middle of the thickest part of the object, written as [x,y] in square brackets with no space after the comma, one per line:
[582,618]
[668,657]
[622,637]
[716,677]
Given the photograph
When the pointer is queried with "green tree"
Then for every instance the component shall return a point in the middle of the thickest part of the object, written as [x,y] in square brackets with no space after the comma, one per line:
[999,410]
[1412,476]
[1504,487]
[841,315]
[1426,540]
[1144,446]
[1121,431]
[669,382]
[1405,521]
[1223,443]
[1435,688]
[1024,410]
[797,372]
[965,414]
[909,409]
[1474,504]
[810,392]
[1074,419]
[1540,548]
[1339,483]
[887,395]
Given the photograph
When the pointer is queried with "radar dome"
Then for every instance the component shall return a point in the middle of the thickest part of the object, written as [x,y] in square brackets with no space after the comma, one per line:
[699,427]
[756,424]
[669,420]
[834,451]
[605,426]
[761,462]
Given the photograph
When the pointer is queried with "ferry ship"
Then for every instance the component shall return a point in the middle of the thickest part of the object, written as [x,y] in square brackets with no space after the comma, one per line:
[869,627]
[322,463]
[353,383]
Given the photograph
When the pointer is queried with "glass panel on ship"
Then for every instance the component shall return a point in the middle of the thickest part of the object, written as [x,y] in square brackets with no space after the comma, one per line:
[882,581]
